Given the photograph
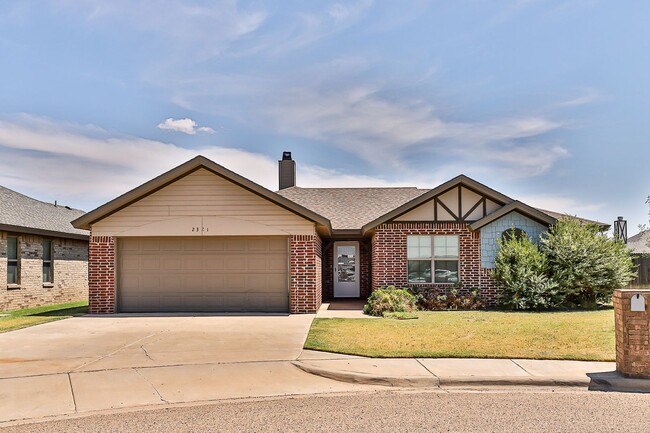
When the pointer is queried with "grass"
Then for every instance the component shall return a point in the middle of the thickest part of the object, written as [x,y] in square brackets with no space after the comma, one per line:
[17,319]
[577,335]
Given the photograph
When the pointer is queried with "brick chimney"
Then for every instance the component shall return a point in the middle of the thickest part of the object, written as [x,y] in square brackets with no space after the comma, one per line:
[287,171]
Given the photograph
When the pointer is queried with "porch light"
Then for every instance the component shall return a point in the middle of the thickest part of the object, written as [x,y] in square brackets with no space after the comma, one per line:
[620,229]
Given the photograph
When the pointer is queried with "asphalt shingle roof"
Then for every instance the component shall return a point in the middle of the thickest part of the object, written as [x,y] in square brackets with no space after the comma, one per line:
[351,208]
[21,211]
[640,242]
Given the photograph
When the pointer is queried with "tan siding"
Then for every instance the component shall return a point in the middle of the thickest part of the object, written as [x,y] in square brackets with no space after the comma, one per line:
[203,194]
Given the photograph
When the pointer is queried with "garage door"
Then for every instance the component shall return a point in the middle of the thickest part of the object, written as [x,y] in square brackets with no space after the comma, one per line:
[203,274]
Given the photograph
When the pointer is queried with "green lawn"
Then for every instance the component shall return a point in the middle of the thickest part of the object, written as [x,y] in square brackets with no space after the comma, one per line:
[579,335]
[17,319]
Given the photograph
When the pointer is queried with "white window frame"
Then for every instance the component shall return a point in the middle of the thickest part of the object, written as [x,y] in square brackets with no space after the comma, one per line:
[432,260]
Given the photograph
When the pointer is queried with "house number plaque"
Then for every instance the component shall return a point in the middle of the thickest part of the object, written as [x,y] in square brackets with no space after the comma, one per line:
[200,229]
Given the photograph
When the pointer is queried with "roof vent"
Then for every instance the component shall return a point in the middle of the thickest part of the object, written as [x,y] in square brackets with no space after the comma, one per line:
[287,171]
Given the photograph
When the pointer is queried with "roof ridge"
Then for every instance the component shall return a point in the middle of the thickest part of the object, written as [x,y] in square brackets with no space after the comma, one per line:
[41,201]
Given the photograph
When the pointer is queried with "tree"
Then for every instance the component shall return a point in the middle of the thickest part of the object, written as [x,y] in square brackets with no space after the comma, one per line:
[522,271]
[585,263]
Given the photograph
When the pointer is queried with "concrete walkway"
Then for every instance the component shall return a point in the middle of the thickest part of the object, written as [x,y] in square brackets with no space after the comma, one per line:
[423,372]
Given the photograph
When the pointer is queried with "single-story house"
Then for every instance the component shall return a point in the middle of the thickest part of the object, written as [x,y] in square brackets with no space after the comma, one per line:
[43,258]
[203,238]
[639,245]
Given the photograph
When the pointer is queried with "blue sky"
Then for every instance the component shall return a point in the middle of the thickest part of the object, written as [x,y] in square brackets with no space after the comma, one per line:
[545,101]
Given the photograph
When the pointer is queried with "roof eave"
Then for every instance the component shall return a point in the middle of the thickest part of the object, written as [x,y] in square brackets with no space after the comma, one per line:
[42,232]
[515,206]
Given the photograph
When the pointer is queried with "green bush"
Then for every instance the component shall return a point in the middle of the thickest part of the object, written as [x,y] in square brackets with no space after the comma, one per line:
[522,271]
[586,264]
[390,300]
[456,298]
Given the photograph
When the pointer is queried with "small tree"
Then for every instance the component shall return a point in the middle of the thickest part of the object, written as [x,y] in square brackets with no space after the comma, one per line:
[522,271]
[585,263]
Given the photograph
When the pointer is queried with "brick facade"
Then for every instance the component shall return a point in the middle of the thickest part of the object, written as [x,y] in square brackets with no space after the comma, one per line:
[632,334]
[101,273]
[69,268]
[306,273]
[389,258]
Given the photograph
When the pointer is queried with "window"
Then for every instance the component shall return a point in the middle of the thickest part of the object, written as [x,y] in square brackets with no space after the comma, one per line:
[444,259]
[419,259]
[47,261]
[13,271]
[513,233]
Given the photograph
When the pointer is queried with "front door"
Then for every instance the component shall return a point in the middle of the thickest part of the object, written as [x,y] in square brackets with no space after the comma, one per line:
[346,270]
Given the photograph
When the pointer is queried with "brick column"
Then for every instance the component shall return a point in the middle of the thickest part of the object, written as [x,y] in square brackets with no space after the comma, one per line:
[101,275]
[632,334]
[306,292]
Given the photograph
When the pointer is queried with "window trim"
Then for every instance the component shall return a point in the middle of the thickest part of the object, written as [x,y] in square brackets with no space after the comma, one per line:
[16,284]
[49,283]
[433,260]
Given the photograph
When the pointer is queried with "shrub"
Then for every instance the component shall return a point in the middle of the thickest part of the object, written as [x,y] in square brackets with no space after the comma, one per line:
[522,271]
[390,300]
[454,299]
[586,264]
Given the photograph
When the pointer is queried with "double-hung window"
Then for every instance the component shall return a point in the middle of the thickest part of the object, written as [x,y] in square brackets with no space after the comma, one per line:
[438,253]
[47,261]
[13,261]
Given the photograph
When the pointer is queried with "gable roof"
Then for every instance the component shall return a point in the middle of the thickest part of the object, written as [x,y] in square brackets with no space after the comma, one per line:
[428,195]
[183,170]
[351,208]
[558,216]
[519,207]
[640,242]
[22,214]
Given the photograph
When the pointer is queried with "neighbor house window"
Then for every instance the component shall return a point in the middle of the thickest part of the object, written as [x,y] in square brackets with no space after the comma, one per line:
[47,261]
[439,253]
[13,271]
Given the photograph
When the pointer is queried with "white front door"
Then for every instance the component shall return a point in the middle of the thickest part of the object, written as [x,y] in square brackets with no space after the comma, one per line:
[346,270]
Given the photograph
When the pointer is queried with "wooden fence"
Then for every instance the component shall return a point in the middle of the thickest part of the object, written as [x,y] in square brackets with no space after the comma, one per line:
[643,278]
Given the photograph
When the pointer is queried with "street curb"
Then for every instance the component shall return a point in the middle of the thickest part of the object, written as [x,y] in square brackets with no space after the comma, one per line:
[613,381]
[434,381]
[370,379]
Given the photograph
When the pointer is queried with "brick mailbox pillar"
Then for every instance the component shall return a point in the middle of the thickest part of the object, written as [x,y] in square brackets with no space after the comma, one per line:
[632,317]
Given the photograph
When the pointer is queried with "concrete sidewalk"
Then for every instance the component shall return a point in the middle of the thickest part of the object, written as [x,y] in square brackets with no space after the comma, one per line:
[422,372]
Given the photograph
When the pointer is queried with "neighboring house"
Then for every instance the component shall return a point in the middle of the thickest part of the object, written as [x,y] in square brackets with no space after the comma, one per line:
[43,259]
[639,244]
[202,238]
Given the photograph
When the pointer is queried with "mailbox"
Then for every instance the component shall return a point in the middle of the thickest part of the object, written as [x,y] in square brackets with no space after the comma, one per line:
[637,303]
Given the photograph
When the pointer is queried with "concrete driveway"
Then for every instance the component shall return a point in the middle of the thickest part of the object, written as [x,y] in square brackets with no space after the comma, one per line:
[92,343]
[96,363]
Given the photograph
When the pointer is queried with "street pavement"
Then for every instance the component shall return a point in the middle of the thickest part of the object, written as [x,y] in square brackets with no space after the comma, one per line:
[504,410]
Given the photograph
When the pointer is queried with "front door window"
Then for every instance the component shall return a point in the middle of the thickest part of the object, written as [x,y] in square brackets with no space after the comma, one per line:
[346,269]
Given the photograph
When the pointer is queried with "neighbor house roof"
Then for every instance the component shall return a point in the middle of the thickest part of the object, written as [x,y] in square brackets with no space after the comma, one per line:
[640,242]
[351,208]
[182,170]
[19,213]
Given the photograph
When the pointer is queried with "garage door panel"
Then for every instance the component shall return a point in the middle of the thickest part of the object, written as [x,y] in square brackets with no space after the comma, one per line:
[203,274]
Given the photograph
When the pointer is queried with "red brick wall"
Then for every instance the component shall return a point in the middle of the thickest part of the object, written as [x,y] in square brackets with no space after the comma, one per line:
[389,260]
[101,275]
[632,334]
[305,274]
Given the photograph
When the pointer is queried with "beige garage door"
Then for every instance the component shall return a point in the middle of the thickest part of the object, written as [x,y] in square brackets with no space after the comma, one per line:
[203,274]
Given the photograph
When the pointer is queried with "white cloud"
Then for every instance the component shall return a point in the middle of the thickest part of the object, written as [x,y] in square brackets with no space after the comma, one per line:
[86,166]
[187,126]
[562,204]
[361,121]
[587,97]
